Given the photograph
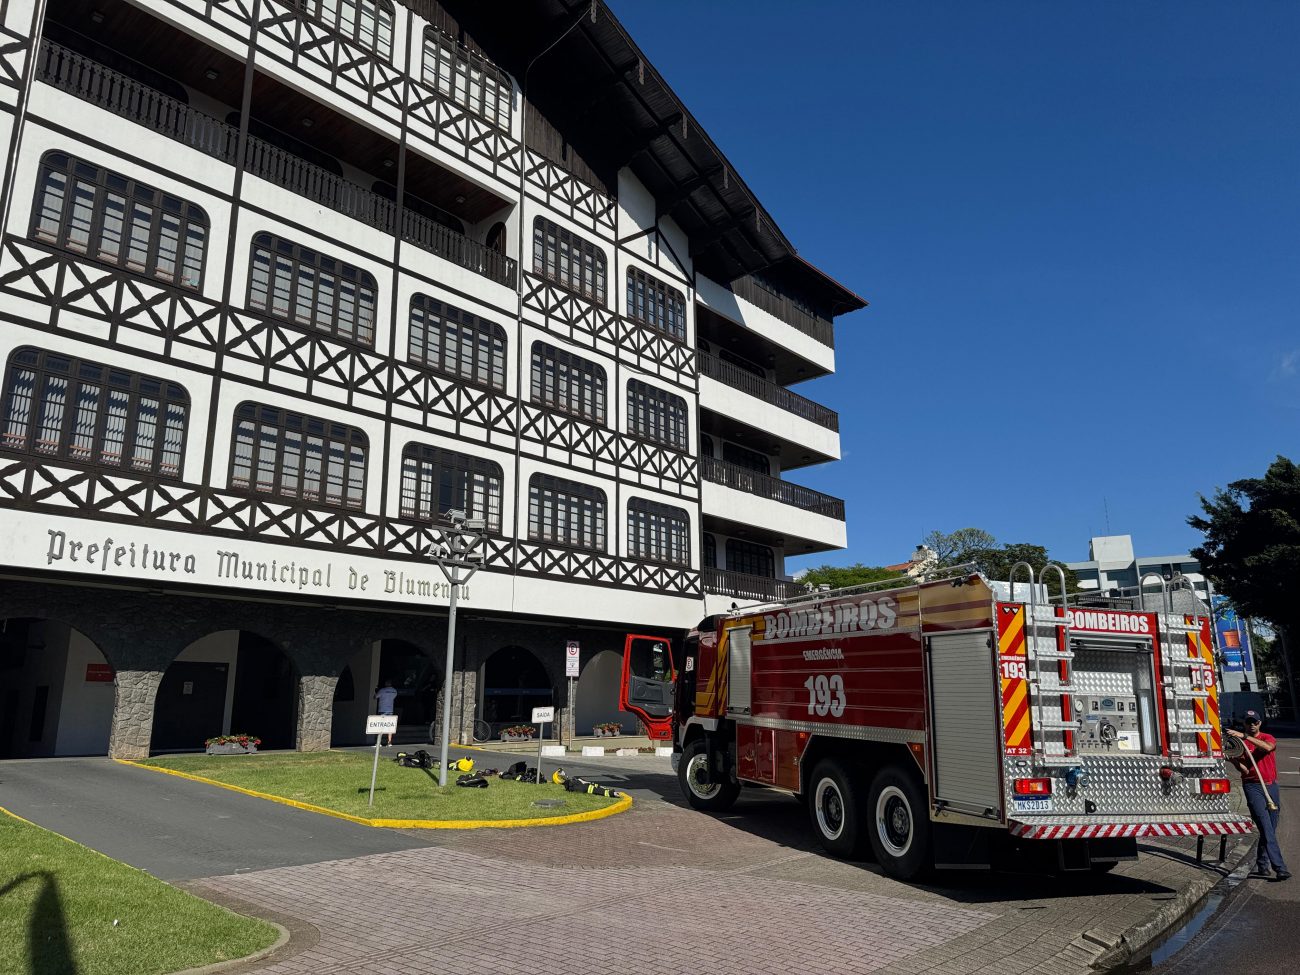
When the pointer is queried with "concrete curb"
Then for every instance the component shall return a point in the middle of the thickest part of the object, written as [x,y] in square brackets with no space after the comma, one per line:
[1133,941]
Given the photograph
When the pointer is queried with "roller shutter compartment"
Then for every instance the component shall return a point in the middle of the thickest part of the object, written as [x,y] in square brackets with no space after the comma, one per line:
[965,738]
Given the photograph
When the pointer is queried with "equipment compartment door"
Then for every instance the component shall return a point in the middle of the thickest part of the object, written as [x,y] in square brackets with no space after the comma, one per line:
[964,717]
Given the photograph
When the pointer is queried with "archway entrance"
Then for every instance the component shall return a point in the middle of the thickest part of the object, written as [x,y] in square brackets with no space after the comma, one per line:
[417,678]
[230,682]
[56,691]
[513,682]
[596,696]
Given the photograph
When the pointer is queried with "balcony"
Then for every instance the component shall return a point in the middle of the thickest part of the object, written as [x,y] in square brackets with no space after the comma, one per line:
[93,82]
[723,582]
[758,293]
[769,392]
[772,488]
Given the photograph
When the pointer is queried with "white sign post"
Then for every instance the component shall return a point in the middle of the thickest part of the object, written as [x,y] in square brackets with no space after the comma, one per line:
[541,717]
[378,725]
[571,670]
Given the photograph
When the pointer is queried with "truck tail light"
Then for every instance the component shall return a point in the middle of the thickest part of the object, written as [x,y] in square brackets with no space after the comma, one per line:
[1032,787]
[1214,787]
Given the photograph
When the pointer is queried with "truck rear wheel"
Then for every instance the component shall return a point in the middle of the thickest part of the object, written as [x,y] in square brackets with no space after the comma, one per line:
[700,779]
[900,823]
[836,808]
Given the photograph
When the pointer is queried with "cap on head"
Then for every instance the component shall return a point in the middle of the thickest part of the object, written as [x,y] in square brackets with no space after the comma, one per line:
[1252,717]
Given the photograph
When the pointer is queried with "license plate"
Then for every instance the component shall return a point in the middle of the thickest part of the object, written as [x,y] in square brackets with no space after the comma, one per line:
[1032,805]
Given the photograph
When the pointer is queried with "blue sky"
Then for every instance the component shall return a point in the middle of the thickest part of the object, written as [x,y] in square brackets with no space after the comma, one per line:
[1077,225]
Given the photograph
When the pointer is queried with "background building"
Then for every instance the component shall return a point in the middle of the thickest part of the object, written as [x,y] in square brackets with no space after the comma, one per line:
[1112,565]
[282,283]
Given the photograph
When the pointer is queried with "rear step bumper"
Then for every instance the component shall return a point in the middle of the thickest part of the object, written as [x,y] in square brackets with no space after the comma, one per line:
[1090,827]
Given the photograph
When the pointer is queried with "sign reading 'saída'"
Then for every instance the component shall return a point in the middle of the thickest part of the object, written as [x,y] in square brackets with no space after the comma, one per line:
[303,571]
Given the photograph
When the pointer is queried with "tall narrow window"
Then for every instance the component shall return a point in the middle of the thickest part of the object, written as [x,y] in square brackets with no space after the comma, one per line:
[111,218]
[564,258]
[292,455]
[456,343]
[435,481]
[653,303]
[564,512]
[309,289]
[367,22]
[566,382]
[658,532]
[709,552]
[468,79]
[657,415]
[66,408]
[757,560]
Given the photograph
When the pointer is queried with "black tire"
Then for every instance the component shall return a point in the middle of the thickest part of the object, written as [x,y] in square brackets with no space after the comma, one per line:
[899,823]
[709,795]
[836,809]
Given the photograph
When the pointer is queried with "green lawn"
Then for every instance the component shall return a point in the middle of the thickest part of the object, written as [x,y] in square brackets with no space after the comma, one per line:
[341,781]
[59,901]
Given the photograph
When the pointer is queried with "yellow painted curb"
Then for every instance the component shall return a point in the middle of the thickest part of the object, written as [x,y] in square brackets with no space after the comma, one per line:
[622,805]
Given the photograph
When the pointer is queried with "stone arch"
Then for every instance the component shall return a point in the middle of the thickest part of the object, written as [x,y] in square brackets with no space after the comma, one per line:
[230,680]
[596,695]
[512,681]
[56,690]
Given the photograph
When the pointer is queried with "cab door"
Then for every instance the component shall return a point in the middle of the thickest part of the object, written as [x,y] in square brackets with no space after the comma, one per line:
[647,685]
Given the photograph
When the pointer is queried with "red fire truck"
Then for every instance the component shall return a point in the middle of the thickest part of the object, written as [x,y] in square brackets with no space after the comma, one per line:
[943,726]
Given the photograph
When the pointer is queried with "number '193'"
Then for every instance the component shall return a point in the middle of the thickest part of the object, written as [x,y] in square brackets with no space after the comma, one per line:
[825,695]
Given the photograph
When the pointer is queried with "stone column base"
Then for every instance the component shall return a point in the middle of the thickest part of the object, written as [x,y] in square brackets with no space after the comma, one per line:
[315,712]
[134,693]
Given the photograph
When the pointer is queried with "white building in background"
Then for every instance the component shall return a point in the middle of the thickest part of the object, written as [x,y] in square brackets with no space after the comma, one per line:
[1112,564]
[282,283]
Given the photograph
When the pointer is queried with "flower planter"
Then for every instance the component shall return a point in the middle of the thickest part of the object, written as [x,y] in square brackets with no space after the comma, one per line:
[605,733]
[506,736]
[231,748]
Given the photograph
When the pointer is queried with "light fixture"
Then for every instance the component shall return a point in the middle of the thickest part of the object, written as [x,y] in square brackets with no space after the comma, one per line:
[460,199]
[388,164]
[211,74]
[307,123]
[96,17]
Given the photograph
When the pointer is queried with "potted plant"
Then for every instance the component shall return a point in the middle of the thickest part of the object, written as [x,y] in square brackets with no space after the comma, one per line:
[520,732]
[232,744]
[607,729]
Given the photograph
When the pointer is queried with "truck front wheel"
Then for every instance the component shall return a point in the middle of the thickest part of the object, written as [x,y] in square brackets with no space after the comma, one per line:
[836,808]
[900,823]
[702,782]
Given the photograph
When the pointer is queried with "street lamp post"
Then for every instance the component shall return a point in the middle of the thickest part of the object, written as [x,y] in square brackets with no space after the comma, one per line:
[458,552]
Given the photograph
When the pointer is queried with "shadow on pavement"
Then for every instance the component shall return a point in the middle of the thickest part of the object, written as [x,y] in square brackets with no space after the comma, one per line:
[47,928]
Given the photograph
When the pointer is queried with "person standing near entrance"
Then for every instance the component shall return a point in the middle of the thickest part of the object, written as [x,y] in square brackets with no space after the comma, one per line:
[1259,782]
[385,698]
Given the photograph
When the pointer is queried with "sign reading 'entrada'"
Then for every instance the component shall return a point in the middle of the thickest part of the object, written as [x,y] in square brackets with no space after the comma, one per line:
[127,558]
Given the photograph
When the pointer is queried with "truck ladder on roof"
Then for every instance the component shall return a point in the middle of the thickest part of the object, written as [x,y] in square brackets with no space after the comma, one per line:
[1170,627]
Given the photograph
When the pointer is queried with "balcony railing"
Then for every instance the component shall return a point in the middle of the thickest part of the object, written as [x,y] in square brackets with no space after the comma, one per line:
[724,582]
[773,488]
[102,86]
[785,308]
[769,392]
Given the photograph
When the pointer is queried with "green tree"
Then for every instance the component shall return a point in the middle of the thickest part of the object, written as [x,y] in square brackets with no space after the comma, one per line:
[953,548]
[840,576]
[996,563]
[1252,548]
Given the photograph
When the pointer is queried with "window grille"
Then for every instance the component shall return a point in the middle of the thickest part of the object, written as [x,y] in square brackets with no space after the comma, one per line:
[366,22]
[468,79]
[757,560]
[658,532]
[657,415]
[652,302]
[291,455]
[111,218]
[564,258]
[307,288]
[435,481]
[750,460]
[566,513]
[455,343]
[70,409]
[569,383]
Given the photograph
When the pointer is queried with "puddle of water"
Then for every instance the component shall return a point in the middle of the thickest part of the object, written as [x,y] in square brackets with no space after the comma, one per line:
[1192,925]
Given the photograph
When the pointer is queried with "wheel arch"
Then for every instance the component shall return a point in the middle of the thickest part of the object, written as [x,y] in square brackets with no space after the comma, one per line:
[867,755]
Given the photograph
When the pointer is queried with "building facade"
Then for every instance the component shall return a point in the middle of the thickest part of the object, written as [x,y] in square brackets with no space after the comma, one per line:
[282,283]
[1112,565]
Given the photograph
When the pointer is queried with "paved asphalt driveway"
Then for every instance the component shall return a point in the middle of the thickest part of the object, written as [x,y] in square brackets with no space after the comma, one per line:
[660,887]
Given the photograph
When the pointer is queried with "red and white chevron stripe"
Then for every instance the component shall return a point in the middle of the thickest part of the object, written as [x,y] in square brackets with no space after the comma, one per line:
[1031,831]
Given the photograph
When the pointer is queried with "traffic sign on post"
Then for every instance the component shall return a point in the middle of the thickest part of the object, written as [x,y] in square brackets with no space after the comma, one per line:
[378,725]
[571,659]
[543,715]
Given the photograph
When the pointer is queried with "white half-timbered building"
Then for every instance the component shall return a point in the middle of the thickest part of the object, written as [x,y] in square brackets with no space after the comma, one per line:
[283,282]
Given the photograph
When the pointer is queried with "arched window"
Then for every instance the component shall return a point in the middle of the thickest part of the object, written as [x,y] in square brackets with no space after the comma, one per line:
[653,303]
[292,455]
[658,532]
[435,481]
[307,288]
[564,258]
[564,512]
[567,382]
[657,415]
[455,343]
[496,239]
[468,79]
[367,22]
[63,407]
[112,218]
[757,560]
[750,460]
